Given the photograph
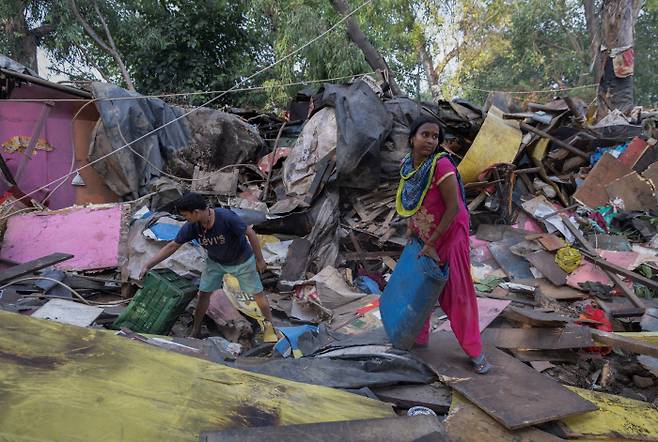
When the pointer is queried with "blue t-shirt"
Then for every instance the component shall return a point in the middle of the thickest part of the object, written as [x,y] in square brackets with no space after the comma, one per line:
[225,241]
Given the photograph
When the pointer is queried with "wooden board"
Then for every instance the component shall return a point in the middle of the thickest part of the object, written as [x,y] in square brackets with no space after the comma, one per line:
[488,310]
[32,266]
[652,174]
[650,157]
[404,429]
[605,171]
[537,318]
[633,152]
[435,396]
[634,190]
[467,423]
[551,242]
[514,266]
[512,393]
[546,355]
[551,291]
[542,338]
[545,263]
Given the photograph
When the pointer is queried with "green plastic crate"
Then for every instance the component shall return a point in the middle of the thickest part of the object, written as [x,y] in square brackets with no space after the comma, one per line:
[157,305]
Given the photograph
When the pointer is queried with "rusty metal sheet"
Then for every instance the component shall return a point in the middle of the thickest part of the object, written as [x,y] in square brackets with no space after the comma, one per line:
[513,394]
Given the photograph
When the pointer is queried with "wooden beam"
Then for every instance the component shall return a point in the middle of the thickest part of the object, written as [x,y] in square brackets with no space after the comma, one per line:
[628,344]
[32,266]
[554,140]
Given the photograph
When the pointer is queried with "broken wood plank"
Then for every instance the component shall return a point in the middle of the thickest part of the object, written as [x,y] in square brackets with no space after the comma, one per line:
[634,191]
[636,148]
[467,423]
[512,393]
[435,396]
[542,338]
[551,242]
[628,344]
[605,171]
[547,289]
[545,355]
[554,140]
[33,266]
[607,265]
[545,263]
[371,430]
[537,318]
[629,293]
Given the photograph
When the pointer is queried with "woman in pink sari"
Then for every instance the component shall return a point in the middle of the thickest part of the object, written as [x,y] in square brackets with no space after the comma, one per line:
[432,195]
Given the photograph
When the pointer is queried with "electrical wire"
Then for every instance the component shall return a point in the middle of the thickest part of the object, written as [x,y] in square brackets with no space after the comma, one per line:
[266,68]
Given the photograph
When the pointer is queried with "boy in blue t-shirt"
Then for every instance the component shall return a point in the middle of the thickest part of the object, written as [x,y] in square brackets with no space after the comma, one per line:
[224,236]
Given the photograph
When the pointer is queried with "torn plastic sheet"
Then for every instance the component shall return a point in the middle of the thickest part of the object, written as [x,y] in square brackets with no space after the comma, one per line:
[363,123]
[164,229]
[540,207]
[362,371]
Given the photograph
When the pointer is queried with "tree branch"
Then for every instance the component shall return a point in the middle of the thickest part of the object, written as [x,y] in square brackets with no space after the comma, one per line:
[371,54]
[440,67]
[117,56]
[101,43]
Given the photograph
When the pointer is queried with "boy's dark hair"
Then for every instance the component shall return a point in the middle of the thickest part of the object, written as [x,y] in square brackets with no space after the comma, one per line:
[190,202]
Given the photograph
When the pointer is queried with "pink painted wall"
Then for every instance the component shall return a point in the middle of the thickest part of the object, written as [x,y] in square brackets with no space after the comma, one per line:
[91,234]
[20,119]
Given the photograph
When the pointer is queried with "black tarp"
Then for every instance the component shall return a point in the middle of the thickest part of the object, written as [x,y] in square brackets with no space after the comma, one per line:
[124,120]
[363,124]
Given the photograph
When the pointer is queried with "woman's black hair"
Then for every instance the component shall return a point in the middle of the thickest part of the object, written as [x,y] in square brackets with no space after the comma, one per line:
[423,119]
[190,202]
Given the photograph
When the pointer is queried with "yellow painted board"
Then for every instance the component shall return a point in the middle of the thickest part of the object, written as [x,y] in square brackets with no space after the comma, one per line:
[617,417]
[648,337]
[540,149]
[467,423]
[498,141]
[64,383]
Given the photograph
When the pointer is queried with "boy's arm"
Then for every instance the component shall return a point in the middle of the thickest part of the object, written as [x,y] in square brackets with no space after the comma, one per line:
[156,259]
[261,265]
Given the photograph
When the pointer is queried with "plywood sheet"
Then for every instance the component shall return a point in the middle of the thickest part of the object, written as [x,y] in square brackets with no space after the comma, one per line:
[91,234]
[633,152]
[435,396]
[68,312]
[545,263]
[512,393]
[467,423]
[634,190]
[93,385]
[605,171]
[546,288]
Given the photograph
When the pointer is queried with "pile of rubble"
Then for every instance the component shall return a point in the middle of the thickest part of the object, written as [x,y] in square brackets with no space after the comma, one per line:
[564,223]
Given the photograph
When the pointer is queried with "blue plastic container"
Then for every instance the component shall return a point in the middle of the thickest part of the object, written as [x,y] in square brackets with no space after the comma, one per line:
[410,295]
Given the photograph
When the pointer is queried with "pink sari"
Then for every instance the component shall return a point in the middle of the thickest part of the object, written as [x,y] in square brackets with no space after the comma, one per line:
[458,299]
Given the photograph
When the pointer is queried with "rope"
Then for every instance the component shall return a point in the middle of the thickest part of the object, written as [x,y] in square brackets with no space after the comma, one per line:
[266,68]
[586,86]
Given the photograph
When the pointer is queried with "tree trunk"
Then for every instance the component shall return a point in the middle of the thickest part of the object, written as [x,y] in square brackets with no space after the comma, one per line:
[593,22]
[617,35]
[372,56]
[22,43]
